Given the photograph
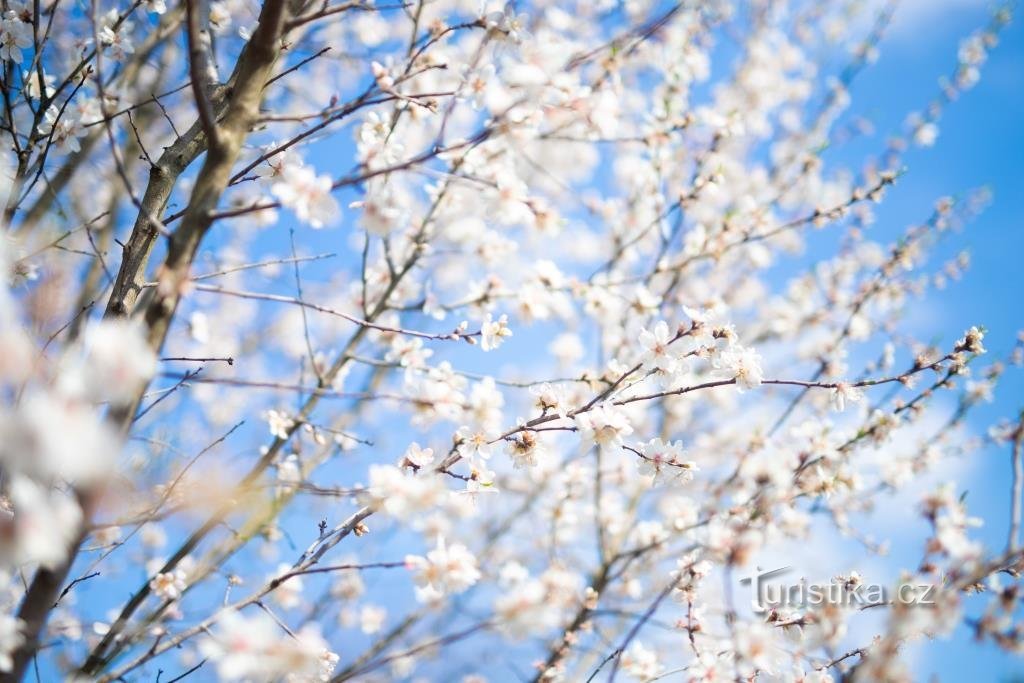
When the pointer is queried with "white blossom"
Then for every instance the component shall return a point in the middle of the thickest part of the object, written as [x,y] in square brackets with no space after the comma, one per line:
[253,648]
[115,36]
[640,662]
[493,332]
[658,456]
[744,365]
[604,425]
[658,354]
[11,637]
[44,524]
[371,618]
[418,457]
[445,569]
[168,585]
[110,364]
[279,423]
[15,36]
[203,407]
[402,495]
[844,393]
[307,194]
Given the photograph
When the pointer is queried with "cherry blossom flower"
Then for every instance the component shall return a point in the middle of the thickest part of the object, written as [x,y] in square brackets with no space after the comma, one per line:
[604,425]
[657,456]
[372,618]
[400,495]
[474,444]
[279,423]
[640,662]
[658,354]
[524,449]
[744,365]
[34,88]
[926,134]
[289,474]
[15,36]
[493,332]
[111,363]
[508,24]
[477,82]
[220,17]
[50,436]
[843,393]
[43,526]
[755,644]
[445,569]
[381,213]
[169,585]
[254,648]
[417,457]
[971,341]
[116,38]
[63,129]
[549,399]
[409,352]
[307,194]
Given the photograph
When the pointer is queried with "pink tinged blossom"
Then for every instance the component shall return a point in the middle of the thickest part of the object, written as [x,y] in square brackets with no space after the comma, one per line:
[658,355]
[658,456]
[640,662]
[168,585]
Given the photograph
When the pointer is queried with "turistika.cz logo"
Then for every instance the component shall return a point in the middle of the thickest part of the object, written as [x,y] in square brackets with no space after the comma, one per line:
[846,591]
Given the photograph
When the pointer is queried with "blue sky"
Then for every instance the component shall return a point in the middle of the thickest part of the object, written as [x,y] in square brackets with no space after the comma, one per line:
[981,143]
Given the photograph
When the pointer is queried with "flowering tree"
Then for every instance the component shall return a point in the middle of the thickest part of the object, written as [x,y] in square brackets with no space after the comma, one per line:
[365,341]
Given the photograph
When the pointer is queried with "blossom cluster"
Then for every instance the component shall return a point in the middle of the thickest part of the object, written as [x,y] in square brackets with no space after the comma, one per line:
[349,341]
